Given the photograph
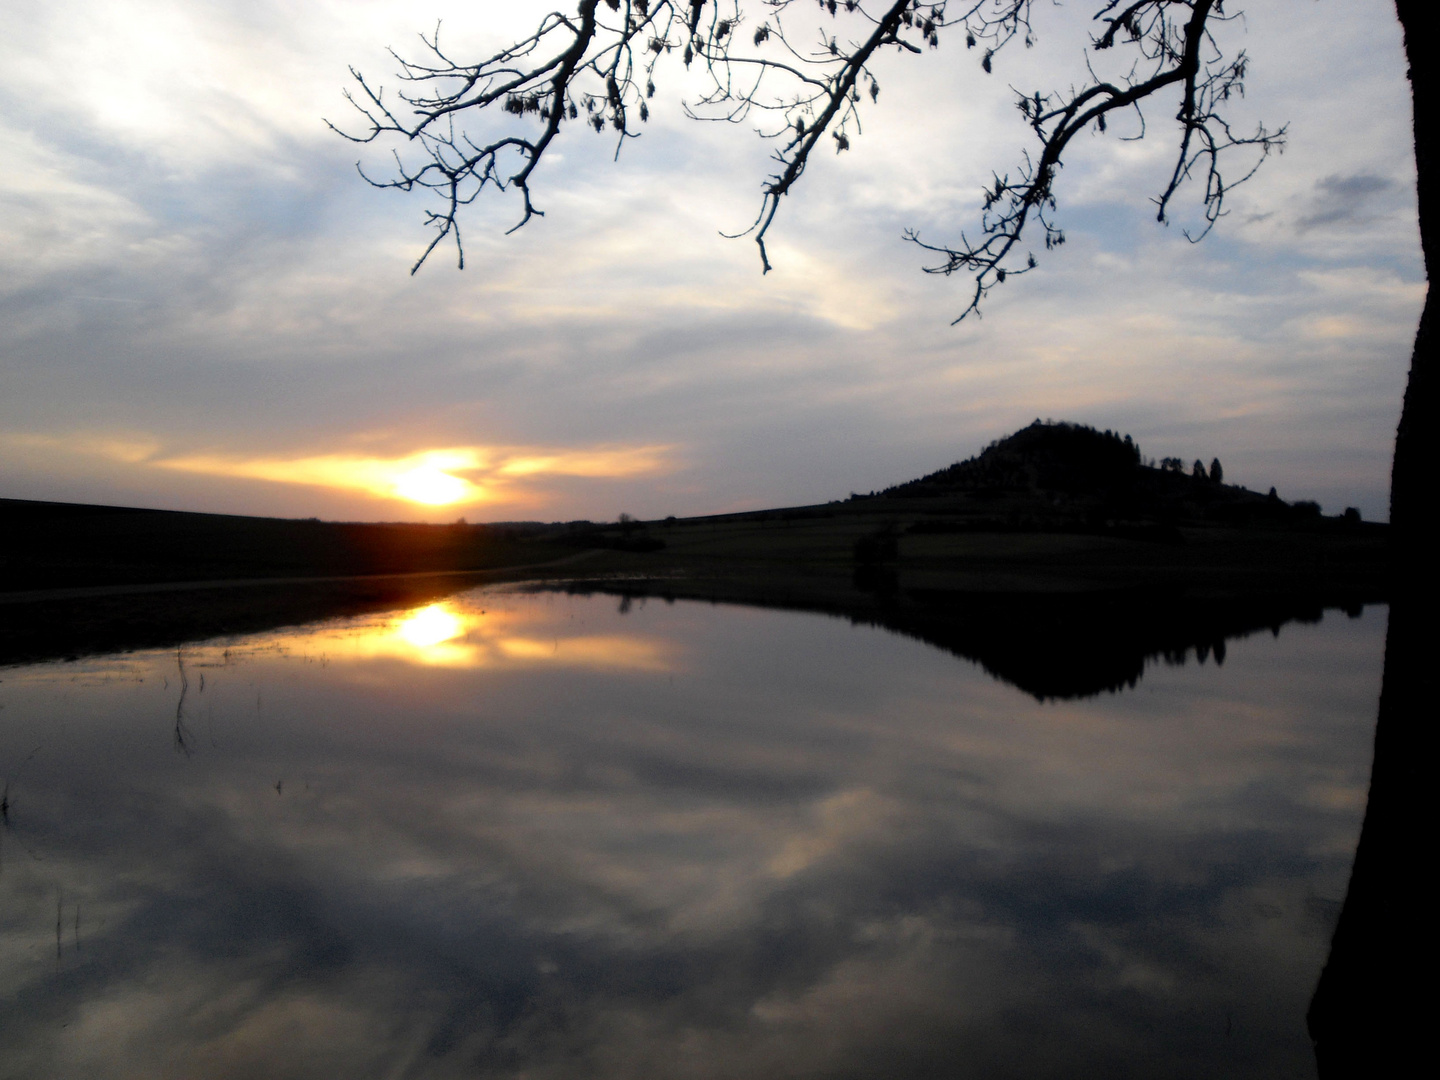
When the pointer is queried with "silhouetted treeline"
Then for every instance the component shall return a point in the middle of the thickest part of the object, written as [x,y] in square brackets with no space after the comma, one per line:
[627,534]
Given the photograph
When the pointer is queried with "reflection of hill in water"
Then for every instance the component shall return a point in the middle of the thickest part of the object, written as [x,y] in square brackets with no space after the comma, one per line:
[1079,646]
[1068,645]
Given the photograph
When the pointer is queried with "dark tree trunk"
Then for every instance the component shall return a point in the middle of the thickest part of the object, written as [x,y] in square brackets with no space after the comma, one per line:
[1371,1012]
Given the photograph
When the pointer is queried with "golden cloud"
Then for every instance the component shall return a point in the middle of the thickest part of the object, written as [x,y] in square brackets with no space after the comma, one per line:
[454,475]
[447,476]
[127,449]
[444,477]
[428,477]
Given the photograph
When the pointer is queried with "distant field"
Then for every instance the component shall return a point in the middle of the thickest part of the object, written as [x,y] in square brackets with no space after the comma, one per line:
[1324,554]
[63,546]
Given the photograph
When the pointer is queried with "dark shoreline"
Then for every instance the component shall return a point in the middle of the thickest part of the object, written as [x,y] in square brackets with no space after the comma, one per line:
[78,581]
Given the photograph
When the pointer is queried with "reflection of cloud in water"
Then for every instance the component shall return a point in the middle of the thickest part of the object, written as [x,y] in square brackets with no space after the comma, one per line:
[597,651]
[823,850]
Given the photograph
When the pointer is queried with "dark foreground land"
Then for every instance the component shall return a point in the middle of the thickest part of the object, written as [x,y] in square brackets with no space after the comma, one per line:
[78,580]
[1056,540]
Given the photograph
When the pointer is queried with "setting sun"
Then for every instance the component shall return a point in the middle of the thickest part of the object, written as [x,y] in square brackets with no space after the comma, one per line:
[432,487]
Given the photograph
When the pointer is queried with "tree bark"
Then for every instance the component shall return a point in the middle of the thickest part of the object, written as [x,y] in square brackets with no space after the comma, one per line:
[1370,1012]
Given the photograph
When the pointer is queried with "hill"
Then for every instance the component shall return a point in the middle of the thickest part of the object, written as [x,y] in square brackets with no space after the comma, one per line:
[1074,473]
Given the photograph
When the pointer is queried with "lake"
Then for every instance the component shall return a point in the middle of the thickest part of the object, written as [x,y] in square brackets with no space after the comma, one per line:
[547,835]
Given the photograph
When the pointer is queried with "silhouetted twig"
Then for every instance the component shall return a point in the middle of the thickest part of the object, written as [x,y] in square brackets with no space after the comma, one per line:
[598,67]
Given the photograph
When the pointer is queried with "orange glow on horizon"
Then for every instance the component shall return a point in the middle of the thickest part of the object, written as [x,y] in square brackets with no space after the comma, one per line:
[463,475]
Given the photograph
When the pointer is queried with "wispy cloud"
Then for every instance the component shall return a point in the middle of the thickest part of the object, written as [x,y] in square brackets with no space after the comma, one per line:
[129,450]
[1347,200]
[453,476]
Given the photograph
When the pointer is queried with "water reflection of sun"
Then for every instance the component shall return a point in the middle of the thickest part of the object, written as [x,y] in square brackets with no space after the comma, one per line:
[430,626]
[448,634]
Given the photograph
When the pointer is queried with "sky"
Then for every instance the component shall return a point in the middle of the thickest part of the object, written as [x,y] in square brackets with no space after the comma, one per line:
[203,307]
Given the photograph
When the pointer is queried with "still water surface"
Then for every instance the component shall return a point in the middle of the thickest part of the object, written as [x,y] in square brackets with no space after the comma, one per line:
[558,836]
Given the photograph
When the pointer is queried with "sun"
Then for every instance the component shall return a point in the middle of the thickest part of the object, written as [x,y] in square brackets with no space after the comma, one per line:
[430,486]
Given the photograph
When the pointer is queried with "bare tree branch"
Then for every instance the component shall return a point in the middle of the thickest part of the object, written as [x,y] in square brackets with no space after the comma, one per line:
[598,67]
[1175,48]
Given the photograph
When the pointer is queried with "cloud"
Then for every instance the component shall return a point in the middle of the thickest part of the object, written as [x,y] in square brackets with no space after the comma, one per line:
[449,476]
[1347,200]
[462,475]
[131,450]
